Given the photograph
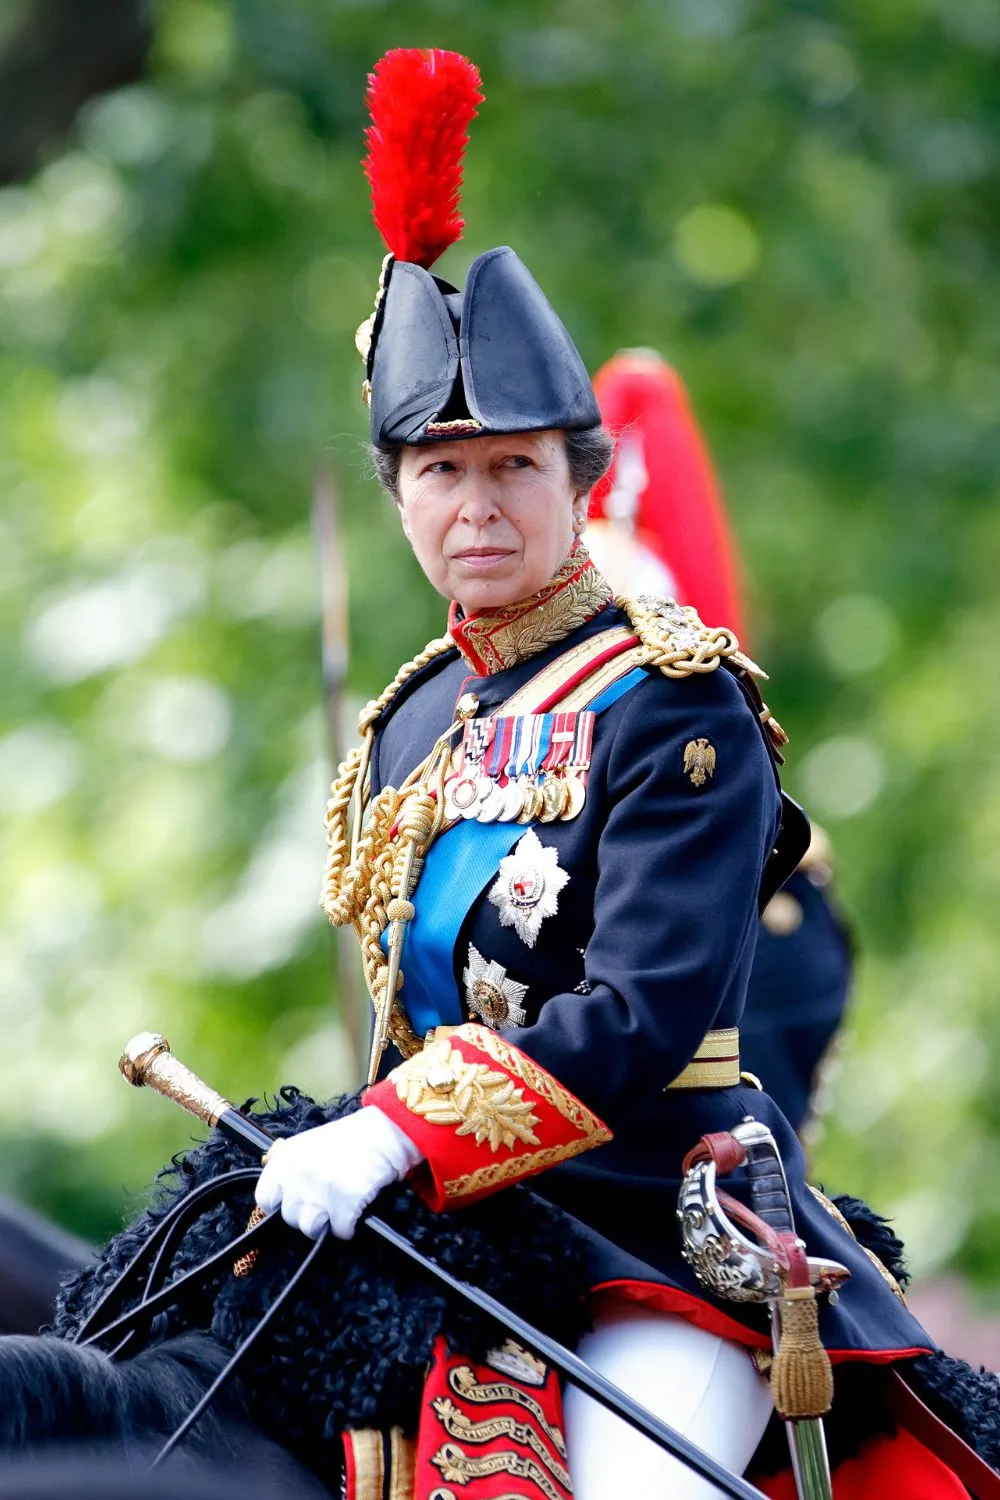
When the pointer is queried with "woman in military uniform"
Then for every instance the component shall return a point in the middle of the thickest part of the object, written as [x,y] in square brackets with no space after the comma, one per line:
[566,807]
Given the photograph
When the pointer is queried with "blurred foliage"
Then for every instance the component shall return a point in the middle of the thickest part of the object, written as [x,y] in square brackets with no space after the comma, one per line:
[797,203]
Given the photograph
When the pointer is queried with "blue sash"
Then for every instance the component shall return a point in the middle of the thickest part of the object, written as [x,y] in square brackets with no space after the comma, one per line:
[457,867]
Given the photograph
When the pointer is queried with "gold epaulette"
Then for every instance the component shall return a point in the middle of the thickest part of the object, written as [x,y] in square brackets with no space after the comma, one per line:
[679,644]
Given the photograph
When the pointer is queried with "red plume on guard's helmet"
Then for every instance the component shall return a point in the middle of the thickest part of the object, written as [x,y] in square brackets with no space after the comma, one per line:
[676,511]
[422,101]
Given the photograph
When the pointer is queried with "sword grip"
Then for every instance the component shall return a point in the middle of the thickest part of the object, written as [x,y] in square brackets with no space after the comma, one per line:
[768,1189]
[148,1062]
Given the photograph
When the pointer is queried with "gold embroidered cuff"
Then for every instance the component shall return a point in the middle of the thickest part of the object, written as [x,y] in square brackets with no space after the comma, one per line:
[482,1113]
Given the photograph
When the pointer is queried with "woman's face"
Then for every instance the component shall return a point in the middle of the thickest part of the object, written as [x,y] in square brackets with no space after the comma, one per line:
[490,519]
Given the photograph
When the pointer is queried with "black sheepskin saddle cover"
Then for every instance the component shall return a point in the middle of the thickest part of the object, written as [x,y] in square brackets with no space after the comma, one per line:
[352,1347]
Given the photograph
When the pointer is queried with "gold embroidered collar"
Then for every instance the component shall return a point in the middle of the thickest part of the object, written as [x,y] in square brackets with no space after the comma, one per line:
[496,639]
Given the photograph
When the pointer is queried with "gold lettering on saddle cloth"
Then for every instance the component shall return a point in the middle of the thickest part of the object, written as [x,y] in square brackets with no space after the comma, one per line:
[463,1382]
[458,1424]
[527,889]
[458,1468]
[699,761]
[490,995]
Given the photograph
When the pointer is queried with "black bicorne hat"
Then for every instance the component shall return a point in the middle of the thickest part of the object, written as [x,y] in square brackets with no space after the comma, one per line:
[442,363]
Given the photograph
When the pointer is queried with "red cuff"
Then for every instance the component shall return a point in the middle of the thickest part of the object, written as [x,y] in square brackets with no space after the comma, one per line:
[483,1114]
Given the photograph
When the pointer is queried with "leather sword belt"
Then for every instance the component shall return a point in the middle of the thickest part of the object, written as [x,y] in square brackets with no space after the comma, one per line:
[715,1065]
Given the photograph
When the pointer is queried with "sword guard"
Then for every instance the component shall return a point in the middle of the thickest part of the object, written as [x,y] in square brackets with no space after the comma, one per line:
[725,1259]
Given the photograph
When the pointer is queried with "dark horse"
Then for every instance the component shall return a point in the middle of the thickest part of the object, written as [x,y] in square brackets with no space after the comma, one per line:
[349,1350]
[35,1258]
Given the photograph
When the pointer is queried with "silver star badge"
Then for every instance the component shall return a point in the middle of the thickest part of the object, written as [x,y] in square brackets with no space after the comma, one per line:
[528,886]
[490,994]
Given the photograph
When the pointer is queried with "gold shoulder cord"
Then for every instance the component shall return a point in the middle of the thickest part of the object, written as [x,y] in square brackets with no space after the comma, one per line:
[679,644]
[369,876]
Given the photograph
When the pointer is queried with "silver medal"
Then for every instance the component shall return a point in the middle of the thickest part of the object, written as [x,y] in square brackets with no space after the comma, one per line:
[462,794]
[482,789]
[513,798]
[491,806]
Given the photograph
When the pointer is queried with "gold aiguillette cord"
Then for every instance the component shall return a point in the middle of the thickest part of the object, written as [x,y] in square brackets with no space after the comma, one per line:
[420,820]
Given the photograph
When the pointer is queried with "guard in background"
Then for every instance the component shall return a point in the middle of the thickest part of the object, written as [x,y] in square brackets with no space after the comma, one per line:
[658,525]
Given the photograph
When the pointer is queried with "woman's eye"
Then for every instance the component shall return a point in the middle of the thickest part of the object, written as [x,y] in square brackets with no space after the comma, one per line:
[441,466]
[518,461]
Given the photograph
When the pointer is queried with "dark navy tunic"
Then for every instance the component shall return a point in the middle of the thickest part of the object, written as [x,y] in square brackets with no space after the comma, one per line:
[651,947]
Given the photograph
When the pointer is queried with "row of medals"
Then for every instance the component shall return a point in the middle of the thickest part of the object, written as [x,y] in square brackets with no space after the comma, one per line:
[470,793]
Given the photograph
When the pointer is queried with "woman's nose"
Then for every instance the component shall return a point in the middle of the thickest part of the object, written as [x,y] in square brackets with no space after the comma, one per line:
[479,501]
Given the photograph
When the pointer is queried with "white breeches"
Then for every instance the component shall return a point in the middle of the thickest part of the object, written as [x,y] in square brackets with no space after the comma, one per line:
[705,1387]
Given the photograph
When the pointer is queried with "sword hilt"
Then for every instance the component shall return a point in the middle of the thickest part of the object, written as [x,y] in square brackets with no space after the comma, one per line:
[147,1062]
[768,1190]
[769,1195]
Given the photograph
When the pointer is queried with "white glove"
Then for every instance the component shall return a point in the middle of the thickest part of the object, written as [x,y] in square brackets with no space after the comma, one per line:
[330,1174]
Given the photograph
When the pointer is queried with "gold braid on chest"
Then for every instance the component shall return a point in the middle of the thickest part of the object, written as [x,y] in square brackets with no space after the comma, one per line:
[376,847]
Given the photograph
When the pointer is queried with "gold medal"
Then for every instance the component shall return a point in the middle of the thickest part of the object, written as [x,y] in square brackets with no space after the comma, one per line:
[554,798]
[531,805]
[576,796]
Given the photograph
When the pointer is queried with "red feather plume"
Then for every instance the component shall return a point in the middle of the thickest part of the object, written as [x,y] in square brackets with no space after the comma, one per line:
[681,517]
[421,101]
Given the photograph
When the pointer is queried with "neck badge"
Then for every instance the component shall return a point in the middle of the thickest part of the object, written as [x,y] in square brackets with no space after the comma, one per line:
[490,995]
[527,888]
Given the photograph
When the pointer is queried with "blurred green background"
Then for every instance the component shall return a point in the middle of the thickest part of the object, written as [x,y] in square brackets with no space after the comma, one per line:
[796,203]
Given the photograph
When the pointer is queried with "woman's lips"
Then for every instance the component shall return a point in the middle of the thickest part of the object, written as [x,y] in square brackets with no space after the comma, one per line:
[482,557]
